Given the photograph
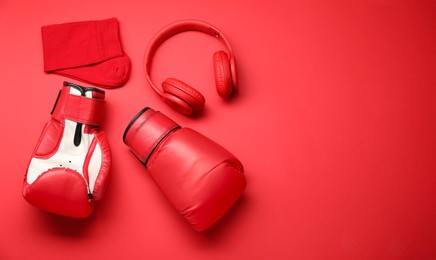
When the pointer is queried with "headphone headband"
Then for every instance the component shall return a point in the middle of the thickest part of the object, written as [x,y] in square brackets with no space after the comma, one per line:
[175,28]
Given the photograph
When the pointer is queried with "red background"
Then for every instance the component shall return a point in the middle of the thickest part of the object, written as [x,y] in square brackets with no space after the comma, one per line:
[334,122]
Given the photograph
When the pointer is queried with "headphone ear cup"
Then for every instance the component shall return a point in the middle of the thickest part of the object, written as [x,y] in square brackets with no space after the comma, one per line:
[223,78]
[182,97]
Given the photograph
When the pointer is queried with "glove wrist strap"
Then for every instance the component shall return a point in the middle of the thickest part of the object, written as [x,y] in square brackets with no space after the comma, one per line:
[146,131]
[88,111]
[80,109]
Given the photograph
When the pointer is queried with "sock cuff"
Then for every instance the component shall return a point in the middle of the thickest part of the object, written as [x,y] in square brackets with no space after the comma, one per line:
[79,44]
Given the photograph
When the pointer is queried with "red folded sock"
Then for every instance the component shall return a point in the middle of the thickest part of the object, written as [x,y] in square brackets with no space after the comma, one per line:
[88,51]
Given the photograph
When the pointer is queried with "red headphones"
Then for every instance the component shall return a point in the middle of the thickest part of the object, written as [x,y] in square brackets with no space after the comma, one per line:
[180,95]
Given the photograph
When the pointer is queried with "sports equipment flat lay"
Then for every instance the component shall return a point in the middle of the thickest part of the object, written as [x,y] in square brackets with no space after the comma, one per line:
[199,177]
[70,165]
[334,124]
[176,93]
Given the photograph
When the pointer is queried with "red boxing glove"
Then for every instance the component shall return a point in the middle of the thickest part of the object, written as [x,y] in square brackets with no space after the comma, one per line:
[199,177]
[70,165]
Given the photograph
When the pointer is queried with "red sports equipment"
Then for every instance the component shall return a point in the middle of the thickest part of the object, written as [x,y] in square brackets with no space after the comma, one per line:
[71,162]
[199,177]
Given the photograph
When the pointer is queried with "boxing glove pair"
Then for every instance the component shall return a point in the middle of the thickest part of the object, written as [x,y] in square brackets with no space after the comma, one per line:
[70,165]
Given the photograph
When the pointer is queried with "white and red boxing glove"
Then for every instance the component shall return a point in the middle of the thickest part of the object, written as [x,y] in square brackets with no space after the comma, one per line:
[71,162]
[199,177]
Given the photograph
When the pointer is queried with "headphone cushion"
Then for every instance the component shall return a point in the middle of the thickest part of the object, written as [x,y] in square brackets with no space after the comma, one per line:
[184,92]
[223,79]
